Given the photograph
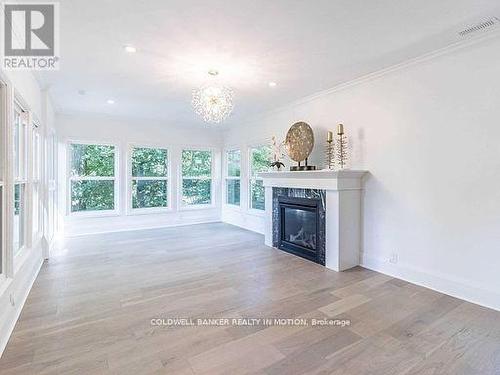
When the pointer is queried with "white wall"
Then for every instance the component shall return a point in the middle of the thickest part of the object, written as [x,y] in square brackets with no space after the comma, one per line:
[428,133]
[124,132]
[19,272]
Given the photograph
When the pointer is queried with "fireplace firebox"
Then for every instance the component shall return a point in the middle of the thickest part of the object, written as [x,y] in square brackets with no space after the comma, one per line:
[299,227]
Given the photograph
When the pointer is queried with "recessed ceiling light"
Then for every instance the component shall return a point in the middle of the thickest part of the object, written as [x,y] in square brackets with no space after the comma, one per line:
[272,84]
[110,101]
[130,49]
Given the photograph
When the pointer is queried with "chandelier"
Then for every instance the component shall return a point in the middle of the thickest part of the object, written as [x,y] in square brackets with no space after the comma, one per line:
[213,102]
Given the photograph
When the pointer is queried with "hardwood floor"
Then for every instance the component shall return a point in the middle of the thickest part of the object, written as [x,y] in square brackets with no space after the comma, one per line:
[90,312]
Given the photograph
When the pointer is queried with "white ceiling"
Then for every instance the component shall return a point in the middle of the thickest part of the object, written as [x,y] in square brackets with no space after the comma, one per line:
[305,46]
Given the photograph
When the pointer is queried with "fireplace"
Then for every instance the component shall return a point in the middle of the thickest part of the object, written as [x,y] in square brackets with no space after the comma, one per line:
[315,215]
[300,226]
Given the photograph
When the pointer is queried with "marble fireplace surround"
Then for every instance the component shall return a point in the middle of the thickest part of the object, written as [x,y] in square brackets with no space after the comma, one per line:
[319,196]
[342,195]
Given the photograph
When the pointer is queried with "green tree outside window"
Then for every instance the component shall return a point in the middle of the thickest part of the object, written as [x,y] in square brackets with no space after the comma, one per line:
[149,177]
[260,160]
[196,177]
[92,176]
[233,169]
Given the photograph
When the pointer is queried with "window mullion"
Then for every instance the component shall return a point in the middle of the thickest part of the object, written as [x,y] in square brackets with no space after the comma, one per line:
[92,178]
[142,178]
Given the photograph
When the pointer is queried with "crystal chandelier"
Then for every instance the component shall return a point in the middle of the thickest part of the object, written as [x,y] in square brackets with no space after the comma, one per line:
[213,102]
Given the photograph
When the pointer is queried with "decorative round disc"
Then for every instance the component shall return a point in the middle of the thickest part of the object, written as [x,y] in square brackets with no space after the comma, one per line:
[299,141]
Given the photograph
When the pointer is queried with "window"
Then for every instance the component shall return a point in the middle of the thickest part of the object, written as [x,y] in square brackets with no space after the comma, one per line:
[92,177]
[2,245]
[52,192]
[260,159]
[20,178]
[3,162]
[36,154]
[149,183]
[233,169]
[196,177]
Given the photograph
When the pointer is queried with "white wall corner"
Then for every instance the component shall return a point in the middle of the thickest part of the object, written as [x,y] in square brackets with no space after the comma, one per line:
[461,289]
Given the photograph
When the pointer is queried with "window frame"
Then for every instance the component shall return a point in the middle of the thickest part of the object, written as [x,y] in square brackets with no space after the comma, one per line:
[5,134]
[186,207]
[252,178]
[51,168]
[115,178]
[148,210]
[228,178]
[36,182]
[21,177]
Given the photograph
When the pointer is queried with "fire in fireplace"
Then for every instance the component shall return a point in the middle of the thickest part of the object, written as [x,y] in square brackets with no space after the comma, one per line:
[299,226]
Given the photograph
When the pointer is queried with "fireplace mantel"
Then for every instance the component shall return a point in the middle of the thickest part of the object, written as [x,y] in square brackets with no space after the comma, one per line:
[343,210]
[322,179]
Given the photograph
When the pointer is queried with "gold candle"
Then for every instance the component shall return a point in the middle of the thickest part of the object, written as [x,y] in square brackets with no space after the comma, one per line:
[340,129]
[329,137]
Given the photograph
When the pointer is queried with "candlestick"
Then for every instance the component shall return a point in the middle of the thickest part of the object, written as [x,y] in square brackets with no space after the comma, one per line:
[341,149]
[340,129]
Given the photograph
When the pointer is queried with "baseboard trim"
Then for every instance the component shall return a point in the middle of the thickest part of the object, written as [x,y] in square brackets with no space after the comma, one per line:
[243,226]
[440,283]
[145,228]
[25,288]
[245,220]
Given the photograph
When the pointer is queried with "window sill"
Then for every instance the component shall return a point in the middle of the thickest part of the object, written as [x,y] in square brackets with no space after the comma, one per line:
[20,258]
[92,214]
[149,211]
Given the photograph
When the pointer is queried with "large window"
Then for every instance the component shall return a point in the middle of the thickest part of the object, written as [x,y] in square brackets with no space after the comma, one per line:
[3,162]
[52,191]
[36,203]
[196,177]
[92,177]
[233,169]
[149,185]
[20,177]
[260,159]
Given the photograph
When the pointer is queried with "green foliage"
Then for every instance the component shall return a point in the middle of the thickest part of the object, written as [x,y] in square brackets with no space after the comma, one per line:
[260,162]
[261,159]
[92,160]
[149,193]
[90,195]
[149,162]
[196,191]
[196,163]
[257,194]
[234,163]
[17,199]
[233,192]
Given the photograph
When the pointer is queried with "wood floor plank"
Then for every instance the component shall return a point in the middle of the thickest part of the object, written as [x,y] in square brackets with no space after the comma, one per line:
[91,308]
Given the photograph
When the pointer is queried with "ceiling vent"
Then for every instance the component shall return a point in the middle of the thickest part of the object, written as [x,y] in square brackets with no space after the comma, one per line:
[482,26]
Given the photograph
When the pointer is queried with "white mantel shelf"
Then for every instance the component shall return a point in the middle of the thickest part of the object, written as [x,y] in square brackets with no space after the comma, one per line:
[343,210]
[320,179]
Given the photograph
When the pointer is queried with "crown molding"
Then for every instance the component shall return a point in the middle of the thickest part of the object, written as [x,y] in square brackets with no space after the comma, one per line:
[461,44]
